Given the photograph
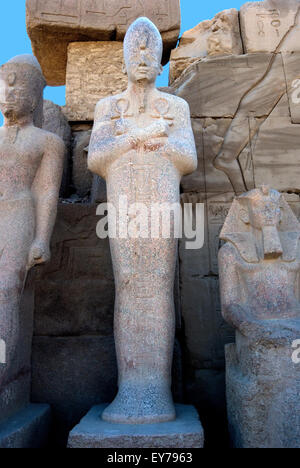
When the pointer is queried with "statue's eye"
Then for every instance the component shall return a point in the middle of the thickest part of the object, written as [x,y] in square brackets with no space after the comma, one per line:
[12,78]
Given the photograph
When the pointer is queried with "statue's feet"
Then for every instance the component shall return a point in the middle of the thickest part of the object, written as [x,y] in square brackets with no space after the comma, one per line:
[135,405]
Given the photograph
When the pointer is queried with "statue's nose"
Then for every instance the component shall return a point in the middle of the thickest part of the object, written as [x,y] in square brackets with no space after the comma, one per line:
[272,242]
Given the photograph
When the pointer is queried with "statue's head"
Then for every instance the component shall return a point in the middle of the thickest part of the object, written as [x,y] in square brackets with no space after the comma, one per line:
[21,87]
[143,50]
[261,208]
[261,224]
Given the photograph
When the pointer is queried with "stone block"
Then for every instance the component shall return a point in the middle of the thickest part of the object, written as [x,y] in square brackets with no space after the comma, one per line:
[72,374]
[206,333]
[205,389]
[291,69]
[214,87]
[195,182]
[269,128]
[219,36]
[92,432]
[53,24]
[15,390]
[82,178]
[55,121]
[276,155]
[94,71]
[263,385]
[29,428]
[265,24]
[75,291]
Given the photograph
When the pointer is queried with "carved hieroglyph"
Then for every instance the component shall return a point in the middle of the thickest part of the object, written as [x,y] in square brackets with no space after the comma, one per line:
[266,24]
[53,24]
[31,164]
[259,277]
[142,143]
[219,36]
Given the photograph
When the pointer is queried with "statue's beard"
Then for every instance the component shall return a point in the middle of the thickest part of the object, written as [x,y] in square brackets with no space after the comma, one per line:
[271,242]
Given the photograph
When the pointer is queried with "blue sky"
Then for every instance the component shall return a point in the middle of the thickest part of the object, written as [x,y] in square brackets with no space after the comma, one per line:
[14,39]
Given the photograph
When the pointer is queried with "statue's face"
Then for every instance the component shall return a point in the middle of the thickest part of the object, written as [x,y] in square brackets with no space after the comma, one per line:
[264,213]
[17,95]
[143,51]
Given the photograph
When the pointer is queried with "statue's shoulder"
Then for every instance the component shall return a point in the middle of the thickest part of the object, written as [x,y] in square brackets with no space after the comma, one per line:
[105,107]
[174,100]
[228,252]
[46,138]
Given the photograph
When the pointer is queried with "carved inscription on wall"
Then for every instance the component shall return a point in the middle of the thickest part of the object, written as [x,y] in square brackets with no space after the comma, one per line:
[107,14]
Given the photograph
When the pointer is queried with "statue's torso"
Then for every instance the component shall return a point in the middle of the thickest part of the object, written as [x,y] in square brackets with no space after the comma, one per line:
[143,174]
[20,156]
[269,287]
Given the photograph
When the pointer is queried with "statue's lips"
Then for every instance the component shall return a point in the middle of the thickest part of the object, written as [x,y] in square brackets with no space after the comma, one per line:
[142,69]
[8,105]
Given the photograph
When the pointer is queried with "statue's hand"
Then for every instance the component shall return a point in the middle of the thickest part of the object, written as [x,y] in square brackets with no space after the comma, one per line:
[238,316]
[158,129]
[39,253]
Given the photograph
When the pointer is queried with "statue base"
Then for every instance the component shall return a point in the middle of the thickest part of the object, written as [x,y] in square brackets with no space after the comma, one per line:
[263,387]
[28,428]
[184,432]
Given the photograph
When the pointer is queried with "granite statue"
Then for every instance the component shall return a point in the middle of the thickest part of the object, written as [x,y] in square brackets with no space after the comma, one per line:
[259,276]
[31,164]
[142,144]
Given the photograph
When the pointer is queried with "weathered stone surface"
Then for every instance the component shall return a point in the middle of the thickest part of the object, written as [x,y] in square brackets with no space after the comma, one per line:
[244,123]
[72,374]
[142,144]
[31,162]
[259,276]
[92,432]
[219,36]
[55,122]
[29,428]
[15,389]
[82,178]
[278,137]
[262,107]
[94,71]
[205,389]
[206,333]
[291,70]
[53,24]
[214,87]
[75,291]
[270,26]
[263,386]
[99,190]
